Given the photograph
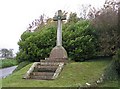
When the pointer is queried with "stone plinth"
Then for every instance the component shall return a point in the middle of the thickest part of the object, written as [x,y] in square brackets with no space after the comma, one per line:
[58,53]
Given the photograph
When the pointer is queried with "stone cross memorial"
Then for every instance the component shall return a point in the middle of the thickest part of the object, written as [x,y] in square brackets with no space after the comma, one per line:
[59,53]
[59,18]
[50,69]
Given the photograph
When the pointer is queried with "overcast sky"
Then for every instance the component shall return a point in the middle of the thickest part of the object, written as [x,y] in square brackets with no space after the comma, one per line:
[15,15]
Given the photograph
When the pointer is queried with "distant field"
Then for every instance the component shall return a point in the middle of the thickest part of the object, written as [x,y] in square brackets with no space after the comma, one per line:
[7,63]
[74,74]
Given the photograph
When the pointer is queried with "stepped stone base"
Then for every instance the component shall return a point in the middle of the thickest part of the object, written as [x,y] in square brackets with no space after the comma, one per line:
[58,53]
[44,70]
[50,67]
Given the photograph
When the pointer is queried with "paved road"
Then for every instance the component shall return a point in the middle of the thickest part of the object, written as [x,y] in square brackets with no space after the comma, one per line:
[6,71]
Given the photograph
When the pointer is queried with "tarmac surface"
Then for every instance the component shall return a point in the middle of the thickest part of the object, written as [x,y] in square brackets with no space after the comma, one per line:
[6,71]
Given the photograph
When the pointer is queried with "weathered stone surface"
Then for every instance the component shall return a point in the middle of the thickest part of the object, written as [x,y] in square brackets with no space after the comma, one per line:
[42,73]
[59,69]
[41,77]
[27,75]
[47,66]
[49,63]
[58,53]
[44,70]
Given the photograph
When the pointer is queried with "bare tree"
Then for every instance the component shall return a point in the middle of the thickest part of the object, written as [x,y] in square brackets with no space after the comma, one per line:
[106,22]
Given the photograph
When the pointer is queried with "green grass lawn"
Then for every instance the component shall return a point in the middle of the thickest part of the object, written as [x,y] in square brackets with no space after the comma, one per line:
[74,74]
[0,83]
[111,83]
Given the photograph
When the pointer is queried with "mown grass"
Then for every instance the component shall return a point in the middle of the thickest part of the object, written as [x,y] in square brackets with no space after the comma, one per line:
[0,83]
[21,65]
[8,63]
[110,83]
[74,74]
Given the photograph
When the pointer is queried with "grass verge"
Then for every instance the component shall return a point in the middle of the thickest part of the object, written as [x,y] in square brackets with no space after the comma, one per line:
[8,63]
[110,83]
[74,74]
[21,65]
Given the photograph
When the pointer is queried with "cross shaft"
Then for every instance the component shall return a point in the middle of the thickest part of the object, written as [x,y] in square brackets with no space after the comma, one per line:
[59,19]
